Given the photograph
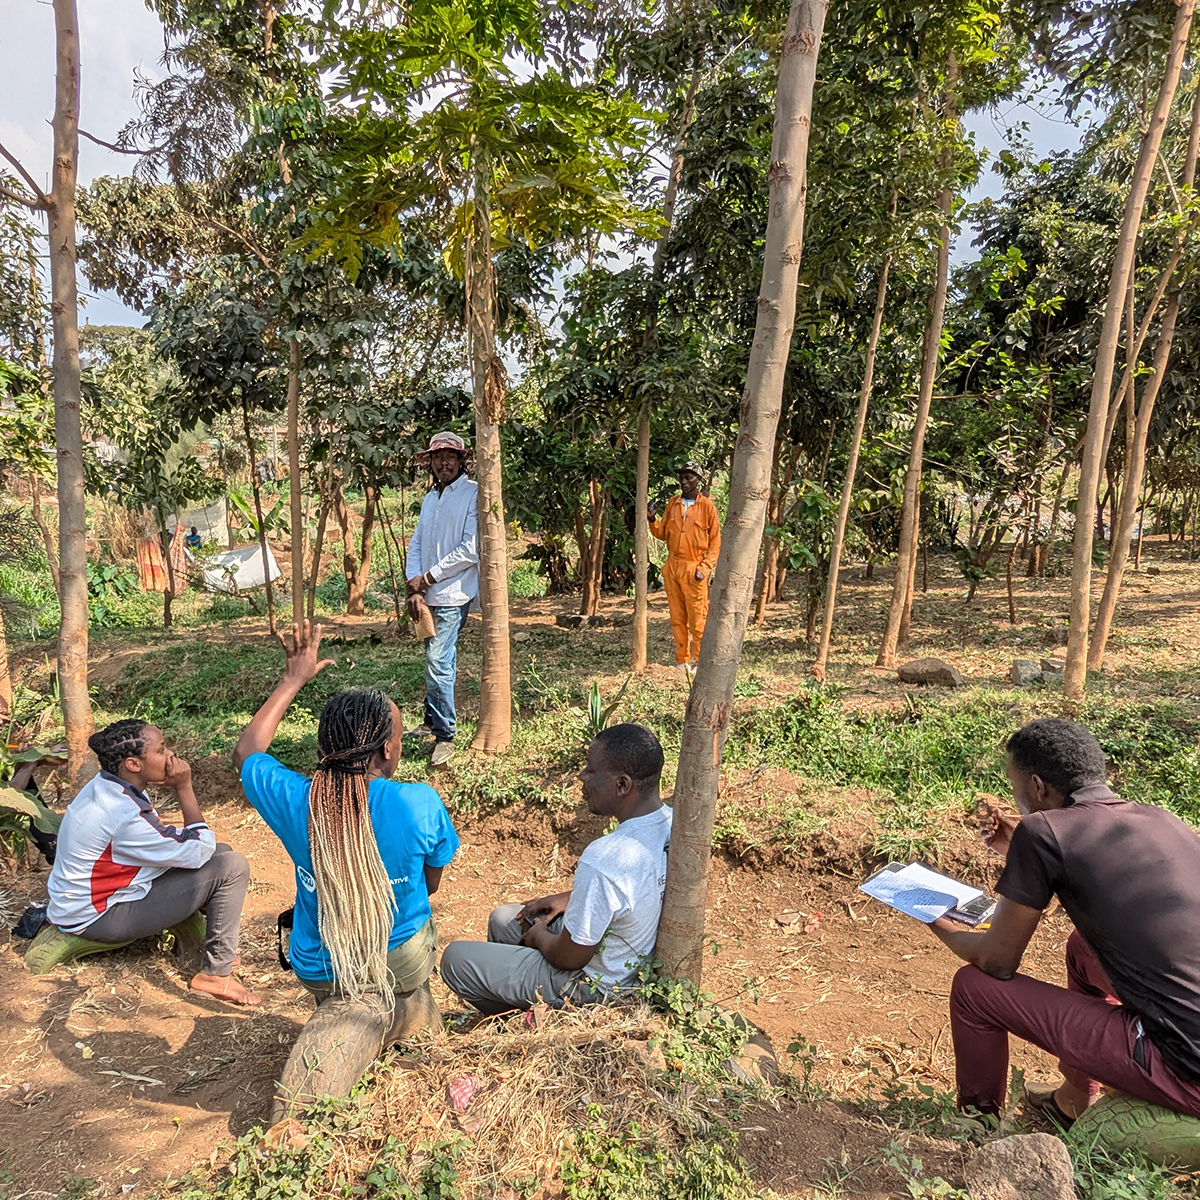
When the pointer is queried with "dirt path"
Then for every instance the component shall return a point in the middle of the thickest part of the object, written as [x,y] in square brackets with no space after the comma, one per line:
[113,1072]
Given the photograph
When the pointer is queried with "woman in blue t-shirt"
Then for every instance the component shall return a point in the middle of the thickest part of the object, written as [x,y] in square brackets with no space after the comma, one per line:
[368,852]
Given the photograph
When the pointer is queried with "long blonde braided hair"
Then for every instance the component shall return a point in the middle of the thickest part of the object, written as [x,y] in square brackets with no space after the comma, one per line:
[355,902]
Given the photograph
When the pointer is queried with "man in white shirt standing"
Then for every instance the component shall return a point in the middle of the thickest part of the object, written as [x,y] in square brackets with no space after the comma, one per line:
[585,945]
[443,567]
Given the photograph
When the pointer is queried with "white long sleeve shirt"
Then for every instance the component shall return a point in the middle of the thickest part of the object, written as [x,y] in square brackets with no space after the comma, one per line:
[445,544]
[111,847]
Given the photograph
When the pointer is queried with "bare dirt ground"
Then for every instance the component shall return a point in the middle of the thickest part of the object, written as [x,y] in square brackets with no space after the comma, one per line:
[113,1072]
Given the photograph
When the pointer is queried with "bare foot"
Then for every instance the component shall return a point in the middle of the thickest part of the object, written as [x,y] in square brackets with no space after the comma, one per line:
[225,987]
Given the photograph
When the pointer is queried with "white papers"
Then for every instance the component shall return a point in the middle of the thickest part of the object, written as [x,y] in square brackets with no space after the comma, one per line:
[919,892]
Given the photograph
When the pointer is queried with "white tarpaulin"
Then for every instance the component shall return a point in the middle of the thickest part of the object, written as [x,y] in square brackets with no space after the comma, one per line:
[209,522]
[238,569]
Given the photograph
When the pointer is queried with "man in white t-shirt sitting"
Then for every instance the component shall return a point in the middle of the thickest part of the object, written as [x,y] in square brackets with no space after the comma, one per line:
[585,945]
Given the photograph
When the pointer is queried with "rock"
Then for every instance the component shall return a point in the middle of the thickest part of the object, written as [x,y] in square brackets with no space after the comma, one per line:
[622,619]
[1154,570]
[1057,636]
[521,636]
[596,619]
[1031,1166]
[930,671]
[568,620]
[1025,673]
[1053,666]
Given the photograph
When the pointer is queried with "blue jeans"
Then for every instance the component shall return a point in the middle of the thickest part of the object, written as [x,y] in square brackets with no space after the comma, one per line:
[441,666]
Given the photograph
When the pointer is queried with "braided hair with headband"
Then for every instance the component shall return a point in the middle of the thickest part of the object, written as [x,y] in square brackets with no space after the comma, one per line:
[355,901]
[123,739]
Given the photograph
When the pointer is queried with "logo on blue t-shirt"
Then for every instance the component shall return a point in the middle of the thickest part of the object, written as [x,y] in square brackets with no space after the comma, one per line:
[310,884]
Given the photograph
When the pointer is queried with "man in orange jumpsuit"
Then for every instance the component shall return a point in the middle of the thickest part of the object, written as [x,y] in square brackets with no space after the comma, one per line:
[692,530]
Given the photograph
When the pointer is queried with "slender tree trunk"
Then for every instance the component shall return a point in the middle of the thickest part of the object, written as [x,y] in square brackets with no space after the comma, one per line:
[1141,533]
[1125,519]
[592,550]
[318,546]
[1137,434]
[1075,672]
[165,541]
[68,435]
[258,512]
[681,929]
[910,592]
[494,731]
[6,687]
[641,528]
[900,603]
[770,567]
[860,423]
[295,490]
[358,575]
[1012,604]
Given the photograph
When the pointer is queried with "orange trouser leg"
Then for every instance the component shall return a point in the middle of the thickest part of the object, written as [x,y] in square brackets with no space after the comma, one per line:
[697,602]
[677,607]
[687,598]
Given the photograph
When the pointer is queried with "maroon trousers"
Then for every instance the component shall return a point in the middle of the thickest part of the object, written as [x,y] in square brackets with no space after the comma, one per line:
[1097,1040]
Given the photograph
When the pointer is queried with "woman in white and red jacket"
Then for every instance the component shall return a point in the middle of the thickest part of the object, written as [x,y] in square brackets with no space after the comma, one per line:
[120,873]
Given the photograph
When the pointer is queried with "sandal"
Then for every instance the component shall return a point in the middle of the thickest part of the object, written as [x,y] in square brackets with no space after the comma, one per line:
[1046,1105]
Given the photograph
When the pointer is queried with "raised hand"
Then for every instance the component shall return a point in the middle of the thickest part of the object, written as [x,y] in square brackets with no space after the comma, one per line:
[301,654]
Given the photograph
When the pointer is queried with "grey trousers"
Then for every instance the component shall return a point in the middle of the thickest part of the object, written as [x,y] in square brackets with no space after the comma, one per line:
[500,975]
[218,887]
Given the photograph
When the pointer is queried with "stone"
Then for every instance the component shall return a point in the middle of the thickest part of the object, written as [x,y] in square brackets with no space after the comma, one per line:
[1030,1166]
[1154,570]
[568,620]
[1025,673]
[619,619]
[1053,666]
[1057,636]
[597,619]
[521,636]
[930,671]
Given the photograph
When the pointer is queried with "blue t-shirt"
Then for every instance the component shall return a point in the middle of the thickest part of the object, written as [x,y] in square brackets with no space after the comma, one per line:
[412,830]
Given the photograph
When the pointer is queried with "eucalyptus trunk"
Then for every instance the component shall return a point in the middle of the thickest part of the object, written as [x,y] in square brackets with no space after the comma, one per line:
[258,512]
[294,483]
[681,928]
[843,517]
[1075,672]
[6,687]
[901,603]
[641,527]
[1135,466]
[68,435]
[488,386]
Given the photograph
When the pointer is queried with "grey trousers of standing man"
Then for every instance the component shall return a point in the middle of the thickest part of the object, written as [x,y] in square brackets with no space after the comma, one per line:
[500,975]
[218,887]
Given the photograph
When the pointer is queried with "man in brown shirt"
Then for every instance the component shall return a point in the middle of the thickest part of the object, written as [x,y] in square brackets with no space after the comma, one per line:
[1128,875]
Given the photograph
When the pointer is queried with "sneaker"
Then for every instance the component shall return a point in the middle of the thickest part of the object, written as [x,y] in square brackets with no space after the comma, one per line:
[683,666]
[421,731]
[443,752]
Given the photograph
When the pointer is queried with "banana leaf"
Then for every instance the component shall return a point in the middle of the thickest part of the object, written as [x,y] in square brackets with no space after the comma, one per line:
[46,819]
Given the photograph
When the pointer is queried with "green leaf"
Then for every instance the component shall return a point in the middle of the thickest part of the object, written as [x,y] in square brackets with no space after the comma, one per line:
[44,818]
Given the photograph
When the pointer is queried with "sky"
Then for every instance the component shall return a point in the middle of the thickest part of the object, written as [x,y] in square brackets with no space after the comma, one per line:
[121,37]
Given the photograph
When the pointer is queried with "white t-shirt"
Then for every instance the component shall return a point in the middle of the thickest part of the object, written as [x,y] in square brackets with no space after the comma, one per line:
[687,504]
[617,894]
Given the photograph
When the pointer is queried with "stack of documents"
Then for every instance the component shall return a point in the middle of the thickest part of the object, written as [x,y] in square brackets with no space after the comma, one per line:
[914,889]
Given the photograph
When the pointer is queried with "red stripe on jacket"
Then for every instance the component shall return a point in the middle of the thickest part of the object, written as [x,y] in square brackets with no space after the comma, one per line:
[109,877]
